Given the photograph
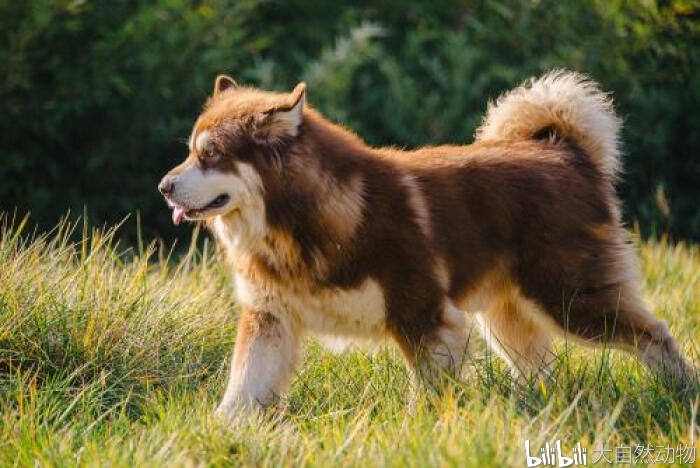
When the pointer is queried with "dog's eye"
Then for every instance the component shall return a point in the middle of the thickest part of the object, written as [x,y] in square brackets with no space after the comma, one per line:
[208,157]
[209,153]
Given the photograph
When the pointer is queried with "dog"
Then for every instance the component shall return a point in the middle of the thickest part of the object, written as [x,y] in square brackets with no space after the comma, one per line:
[519,233]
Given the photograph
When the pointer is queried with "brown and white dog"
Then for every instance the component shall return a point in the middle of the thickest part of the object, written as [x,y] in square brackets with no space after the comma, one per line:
[325,235]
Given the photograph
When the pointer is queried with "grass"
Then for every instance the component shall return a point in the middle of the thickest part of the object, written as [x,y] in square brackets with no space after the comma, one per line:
[113,357]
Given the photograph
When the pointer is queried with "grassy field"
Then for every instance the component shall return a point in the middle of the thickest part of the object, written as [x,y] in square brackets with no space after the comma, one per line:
[117,358]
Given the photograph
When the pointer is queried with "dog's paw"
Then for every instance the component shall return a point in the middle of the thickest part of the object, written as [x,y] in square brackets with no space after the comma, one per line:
[239,407]
[223,411]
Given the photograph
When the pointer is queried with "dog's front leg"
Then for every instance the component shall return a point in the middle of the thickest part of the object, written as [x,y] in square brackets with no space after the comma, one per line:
[264,358]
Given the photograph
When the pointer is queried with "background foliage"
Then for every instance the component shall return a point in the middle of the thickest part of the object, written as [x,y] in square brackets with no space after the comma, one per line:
[97,96]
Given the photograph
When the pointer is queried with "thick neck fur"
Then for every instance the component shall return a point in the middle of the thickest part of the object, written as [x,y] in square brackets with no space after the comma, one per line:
[314,200]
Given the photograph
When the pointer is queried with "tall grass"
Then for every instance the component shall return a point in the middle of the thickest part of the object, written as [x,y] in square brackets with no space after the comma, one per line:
[116,357]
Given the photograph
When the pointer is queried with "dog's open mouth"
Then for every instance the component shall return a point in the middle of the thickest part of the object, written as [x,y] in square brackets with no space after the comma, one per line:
[180,212]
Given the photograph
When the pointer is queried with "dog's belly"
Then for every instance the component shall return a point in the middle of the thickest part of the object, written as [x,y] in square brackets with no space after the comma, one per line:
[335,315]
[348,313]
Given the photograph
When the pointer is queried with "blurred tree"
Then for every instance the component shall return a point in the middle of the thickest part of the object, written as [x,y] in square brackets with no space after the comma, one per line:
[97,94]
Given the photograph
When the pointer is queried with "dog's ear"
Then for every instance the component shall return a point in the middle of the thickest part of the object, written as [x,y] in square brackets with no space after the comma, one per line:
[283,121]
[224,82]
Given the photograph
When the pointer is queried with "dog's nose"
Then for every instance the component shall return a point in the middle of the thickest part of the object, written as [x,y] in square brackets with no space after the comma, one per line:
[166,185]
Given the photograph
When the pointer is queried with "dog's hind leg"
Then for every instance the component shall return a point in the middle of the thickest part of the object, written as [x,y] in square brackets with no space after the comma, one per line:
[623,321]
[653,344]
[264,359]
[615,315]
[511,328]
[588,285]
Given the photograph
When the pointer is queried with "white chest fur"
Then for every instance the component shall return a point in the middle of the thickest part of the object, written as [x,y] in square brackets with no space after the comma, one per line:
[336,316]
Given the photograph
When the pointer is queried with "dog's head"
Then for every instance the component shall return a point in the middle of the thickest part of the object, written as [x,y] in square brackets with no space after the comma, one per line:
[233,144]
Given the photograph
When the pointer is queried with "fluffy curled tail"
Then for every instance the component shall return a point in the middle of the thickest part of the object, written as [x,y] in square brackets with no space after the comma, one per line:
[567,103]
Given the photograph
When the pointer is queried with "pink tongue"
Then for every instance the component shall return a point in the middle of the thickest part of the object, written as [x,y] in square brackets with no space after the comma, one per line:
[178,213]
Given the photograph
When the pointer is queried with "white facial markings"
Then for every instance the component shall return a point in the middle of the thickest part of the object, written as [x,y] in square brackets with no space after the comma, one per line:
[202,141]
[190,141]
[250,220]
[195,188]
[244,225]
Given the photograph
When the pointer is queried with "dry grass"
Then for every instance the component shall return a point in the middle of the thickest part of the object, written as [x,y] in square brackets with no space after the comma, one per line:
[117,358]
